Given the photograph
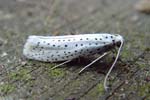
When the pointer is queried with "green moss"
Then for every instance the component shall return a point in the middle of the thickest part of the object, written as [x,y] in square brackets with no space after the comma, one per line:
[56,73]
[144,90]
[23,74]
[7,88]
[141,65]
[100,88]
[97,91]
[94,93]
[125,54]
[147,49]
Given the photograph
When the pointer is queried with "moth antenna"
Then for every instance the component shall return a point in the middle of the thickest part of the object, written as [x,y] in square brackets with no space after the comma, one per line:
[93,62]
[112,66]
[60,64]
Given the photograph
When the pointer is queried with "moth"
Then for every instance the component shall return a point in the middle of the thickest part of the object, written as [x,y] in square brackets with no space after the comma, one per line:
[68,47]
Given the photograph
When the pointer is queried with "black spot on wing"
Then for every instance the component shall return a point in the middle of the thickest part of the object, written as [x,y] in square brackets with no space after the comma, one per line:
[111,36]
[76,45]
[66,45]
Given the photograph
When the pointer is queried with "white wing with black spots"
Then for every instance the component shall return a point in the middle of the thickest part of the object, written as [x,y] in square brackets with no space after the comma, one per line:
[61,48]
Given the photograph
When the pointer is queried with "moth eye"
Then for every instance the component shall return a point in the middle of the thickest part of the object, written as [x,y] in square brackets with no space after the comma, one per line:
[118,44]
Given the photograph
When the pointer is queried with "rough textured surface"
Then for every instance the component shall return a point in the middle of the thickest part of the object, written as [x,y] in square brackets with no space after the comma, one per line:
[33,80]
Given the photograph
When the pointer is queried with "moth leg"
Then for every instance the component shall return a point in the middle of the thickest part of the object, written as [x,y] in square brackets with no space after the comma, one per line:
[114,51]
[60,64]
[93,62]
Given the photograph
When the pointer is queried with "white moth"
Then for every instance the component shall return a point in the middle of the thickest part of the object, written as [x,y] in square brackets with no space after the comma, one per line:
[68,47]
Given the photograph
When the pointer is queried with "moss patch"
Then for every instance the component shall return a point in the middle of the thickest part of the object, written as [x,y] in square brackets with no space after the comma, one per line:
[141,64]
[56,73]
[100,88]
[7,88]
[144,90]
[23,74]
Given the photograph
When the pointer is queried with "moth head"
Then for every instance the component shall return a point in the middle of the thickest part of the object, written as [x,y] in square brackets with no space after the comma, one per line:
[118,39]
